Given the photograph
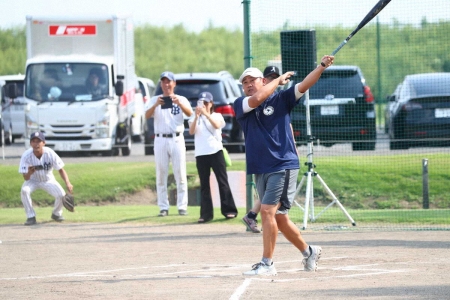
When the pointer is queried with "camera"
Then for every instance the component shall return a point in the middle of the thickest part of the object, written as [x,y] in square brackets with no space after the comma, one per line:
[200,103]
[38,167]
[167,102]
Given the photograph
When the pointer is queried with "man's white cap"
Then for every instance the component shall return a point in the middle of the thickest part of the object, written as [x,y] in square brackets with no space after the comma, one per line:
[253,72]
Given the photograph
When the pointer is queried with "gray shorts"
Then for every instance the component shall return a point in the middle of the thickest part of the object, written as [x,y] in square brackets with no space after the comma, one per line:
[277,187]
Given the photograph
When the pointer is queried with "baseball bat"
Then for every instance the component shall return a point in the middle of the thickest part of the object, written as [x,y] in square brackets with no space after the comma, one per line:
[372,13]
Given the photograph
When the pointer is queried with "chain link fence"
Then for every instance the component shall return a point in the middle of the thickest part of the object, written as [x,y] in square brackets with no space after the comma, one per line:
[379,118]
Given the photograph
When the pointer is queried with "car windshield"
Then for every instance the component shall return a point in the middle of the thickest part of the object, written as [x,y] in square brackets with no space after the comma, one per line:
[192,88]
[67,82]
[340,83]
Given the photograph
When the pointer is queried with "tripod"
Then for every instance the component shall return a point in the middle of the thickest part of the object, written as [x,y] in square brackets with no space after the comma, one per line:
[308,177]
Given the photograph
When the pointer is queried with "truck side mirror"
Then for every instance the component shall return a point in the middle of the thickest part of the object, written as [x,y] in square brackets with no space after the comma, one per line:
[11,91]
[119,88]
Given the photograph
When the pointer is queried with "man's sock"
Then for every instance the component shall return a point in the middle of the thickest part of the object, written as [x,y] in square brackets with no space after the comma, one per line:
[307,252]
[252,215]
[267,261]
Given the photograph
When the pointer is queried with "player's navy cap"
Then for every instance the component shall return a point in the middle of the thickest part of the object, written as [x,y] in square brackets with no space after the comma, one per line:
[205,96]
[271,70]
[38,135]
[253,72]
[168,75]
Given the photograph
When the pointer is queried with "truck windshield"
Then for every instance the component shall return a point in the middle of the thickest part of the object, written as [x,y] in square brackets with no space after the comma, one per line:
[67,82]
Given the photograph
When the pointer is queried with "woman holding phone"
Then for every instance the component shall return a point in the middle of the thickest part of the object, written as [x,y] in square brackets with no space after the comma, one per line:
[207,126]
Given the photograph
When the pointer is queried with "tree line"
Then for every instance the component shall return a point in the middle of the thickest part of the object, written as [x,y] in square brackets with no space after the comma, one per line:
[403,49]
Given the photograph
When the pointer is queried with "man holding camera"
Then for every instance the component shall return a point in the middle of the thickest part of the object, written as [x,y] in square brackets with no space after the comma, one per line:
[167,110]
[36,166]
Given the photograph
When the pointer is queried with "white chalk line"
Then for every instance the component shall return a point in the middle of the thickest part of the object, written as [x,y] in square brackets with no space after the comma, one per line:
[203,269]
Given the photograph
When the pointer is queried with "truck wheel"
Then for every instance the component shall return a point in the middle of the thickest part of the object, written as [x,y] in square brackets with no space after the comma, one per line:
[113,152]
[127,149]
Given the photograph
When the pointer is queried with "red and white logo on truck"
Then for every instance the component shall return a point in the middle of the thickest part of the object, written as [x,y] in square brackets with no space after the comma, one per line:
[71,30]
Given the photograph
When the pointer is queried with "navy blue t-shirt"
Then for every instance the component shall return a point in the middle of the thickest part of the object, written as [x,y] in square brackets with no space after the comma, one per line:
[269,144]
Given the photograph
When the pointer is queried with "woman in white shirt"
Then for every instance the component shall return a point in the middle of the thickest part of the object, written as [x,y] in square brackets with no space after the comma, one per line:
[207,126]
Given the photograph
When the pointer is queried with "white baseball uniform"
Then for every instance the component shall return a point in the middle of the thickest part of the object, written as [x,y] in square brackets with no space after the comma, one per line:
[169,144]
[41,179]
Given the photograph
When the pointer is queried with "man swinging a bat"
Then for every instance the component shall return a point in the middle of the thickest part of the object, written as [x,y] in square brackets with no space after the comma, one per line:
[271,155]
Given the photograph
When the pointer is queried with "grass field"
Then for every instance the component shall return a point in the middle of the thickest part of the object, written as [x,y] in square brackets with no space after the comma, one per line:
[365,182]
[374,189]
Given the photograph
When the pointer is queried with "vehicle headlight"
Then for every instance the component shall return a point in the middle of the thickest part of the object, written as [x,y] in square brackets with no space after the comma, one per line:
[102,128]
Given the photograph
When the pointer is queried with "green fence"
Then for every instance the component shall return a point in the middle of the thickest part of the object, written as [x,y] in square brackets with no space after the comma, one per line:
[371,124]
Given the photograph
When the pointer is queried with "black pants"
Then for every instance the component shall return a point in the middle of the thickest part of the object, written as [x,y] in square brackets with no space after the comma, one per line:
[217,163]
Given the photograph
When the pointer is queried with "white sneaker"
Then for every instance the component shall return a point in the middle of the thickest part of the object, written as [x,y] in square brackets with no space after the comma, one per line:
[262,269]
[310,262]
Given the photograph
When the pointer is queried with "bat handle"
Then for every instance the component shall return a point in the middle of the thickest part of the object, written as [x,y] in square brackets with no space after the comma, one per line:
[339,47]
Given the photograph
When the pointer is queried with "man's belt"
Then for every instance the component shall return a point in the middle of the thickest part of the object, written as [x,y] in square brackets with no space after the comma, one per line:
[169,135]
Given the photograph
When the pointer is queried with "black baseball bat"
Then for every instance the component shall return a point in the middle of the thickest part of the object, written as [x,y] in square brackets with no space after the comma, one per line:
[372,13]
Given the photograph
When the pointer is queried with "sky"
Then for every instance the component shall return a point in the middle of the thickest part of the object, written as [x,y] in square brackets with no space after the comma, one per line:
[196,15]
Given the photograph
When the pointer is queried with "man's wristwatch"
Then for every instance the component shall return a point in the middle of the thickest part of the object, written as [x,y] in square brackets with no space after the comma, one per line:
[322,64]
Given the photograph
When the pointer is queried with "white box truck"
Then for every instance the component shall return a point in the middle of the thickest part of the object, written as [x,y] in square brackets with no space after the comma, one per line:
[80,83]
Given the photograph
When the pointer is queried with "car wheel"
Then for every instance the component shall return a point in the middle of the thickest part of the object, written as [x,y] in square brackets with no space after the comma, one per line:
[8,136]
[149,150]
[328,145]
[363,146]
[398,145]
[2,133]
[136,138]
[236,148]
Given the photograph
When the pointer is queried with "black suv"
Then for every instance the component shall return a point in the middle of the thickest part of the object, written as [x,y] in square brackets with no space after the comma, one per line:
[341,110]
[224,89]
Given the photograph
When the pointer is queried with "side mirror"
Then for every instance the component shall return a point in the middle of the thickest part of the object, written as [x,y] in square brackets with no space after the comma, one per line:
[119,85]
[119,88]
[11,91]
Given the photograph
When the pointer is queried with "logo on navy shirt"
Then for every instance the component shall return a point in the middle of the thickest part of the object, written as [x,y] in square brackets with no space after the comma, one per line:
[268,110]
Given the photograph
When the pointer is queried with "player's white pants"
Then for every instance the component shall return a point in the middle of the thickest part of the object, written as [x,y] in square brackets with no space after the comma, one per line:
[52,187]
[174,149]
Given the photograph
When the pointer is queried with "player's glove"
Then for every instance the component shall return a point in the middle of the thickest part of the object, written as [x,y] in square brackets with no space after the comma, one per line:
[69,202]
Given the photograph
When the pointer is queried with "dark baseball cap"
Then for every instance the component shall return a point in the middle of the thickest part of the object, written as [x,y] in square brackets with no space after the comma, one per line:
[205,96]
[271,70]
[168,75]
[38,135]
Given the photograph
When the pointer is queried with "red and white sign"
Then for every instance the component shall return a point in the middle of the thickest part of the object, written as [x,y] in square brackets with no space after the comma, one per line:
[70,30]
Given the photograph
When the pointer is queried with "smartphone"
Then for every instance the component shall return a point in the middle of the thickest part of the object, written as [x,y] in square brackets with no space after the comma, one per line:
[200,103]
[39,167]
[167,102]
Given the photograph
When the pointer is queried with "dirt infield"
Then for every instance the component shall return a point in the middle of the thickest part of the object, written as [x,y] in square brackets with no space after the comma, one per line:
[109,261]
